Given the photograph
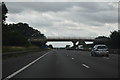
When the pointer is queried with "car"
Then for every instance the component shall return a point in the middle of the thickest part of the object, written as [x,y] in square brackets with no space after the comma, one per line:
[80,47]
[100,50]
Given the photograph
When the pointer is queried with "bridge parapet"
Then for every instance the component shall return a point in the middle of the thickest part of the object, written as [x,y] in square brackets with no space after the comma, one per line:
[70,39]
[74,40]
[66,37]
[63,39]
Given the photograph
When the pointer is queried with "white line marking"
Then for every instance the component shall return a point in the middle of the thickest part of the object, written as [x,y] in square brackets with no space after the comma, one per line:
[85,66]
[106,57]
[15,73]
[73,58]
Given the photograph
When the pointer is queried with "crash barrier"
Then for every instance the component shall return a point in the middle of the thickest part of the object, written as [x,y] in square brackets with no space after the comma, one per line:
[114,51]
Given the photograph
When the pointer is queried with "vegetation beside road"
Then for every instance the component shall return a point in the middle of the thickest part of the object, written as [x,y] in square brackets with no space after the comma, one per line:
[15,51]
[6,49]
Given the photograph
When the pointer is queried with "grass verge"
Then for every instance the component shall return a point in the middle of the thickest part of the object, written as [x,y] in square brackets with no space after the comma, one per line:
[6,49]
[15,51]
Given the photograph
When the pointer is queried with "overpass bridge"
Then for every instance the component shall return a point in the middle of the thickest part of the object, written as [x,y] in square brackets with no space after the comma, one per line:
[74,40]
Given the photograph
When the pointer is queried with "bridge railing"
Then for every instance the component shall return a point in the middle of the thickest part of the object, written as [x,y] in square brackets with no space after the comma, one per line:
[65,37]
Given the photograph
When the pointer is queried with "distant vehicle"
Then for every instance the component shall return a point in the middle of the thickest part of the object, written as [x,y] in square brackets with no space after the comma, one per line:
[90,48]
[67,47]
[70,48]
[100,50]
[80,47]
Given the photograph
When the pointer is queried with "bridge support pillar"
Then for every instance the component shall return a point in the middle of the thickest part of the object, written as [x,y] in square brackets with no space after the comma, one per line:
[74,44]
[81,42]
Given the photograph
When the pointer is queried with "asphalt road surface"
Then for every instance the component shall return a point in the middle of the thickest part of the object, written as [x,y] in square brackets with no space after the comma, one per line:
[68,64]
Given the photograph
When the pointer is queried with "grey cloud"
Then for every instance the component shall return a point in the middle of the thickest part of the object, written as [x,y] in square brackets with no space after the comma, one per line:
[96,6]
[97,11]
[57,6]
[15,7]
[54,14]
[101,17]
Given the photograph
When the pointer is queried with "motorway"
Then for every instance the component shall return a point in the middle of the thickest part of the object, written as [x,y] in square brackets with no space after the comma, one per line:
[62,64]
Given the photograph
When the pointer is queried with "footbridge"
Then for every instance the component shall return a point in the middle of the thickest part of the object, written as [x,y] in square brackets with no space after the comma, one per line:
[74,40]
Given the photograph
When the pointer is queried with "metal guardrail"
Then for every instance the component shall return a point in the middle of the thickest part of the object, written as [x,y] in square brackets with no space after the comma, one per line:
[62,39]
[114,51]
[18,52]
[67,37]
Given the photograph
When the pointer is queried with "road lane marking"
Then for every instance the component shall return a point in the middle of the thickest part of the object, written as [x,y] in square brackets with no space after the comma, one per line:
[15,73]
[85,66]
[106,57]
[73,58]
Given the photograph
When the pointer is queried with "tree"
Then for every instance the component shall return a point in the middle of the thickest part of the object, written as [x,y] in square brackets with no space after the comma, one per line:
[18,35]
[114,39]
[25,30]
[14,39]
[4,12]
[102,40]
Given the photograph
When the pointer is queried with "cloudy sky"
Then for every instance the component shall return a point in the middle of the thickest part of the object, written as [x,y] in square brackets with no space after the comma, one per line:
[71,19]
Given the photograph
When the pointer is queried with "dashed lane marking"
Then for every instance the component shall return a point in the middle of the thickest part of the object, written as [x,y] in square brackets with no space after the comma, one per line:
[106,57]
[73,58]
[85,65]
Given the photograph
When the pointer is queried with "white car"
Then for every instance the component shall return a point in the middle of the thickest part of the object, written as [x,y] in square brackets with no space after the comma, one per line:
[80,47]
[100,50]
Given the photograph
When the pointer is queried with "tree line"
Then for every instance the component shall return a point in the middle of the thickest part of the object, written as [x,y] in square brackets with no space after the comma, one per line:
[112,41]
